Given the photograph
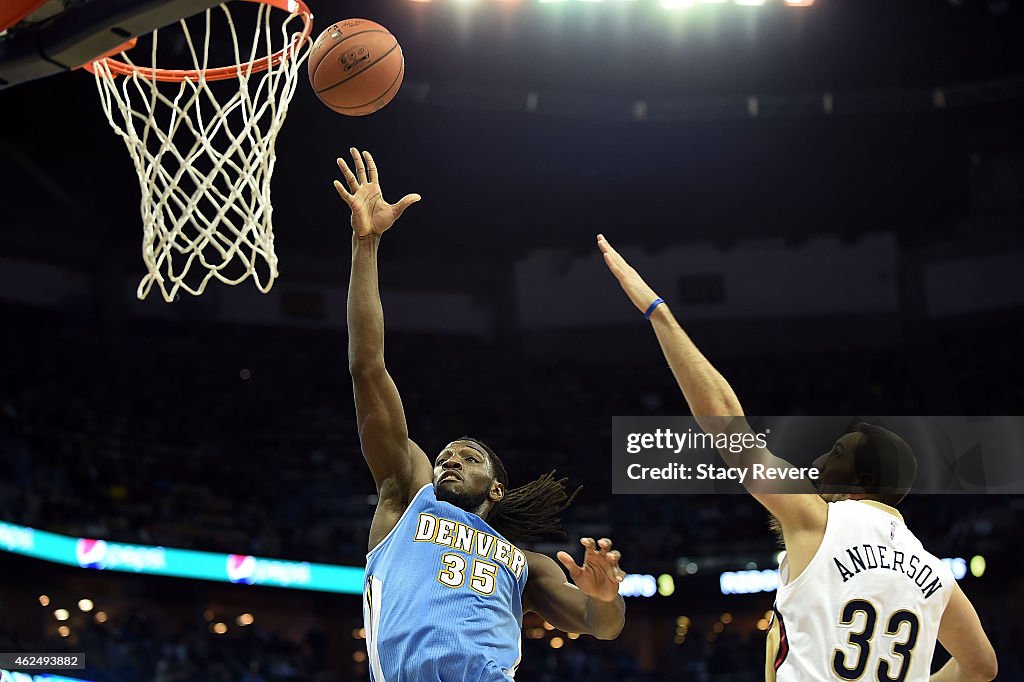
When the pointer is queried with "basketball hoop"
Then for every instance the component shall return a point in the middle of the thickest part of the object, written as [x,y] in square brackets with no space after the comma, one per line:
[205,162]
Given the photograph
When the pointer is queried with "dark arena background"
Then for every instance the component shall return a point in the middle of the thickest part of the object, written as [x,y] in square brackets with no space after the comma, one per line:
[831,197]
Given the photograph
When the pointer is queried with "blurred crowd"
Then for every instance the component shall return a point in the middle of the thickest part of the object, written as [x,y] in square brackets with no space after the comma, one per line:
[242,440]
[146,645]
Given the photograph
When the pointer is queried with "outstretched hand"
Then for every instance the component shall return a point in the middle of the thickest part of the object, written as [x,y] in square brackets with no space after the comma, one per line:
[370,213]
[600,575]
[629,279]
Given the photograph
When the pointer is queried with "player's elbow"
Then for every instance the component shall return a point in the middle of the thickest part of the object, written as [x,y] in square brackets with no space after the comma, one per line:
[611,634]
[980,666]
[610,631]
[986,669]
[364,368]
[608,635]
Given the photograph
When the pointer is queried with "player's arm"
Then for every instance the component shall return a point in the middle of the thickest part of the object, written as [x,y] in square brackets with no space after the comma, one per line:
[960,632]
[712,401]
[398,465]
[592,605]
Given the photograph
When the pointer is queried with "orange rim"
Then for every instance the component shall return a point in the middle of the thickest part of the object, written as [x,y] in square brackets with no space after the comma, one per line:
[120,68]
[15,11]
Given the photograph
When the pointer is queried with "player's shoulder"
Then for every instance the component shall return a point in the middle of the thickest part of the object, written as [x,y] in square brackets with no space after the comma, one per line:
[866,509]
[538,558]
[542,566]
[876,506]
[796,513]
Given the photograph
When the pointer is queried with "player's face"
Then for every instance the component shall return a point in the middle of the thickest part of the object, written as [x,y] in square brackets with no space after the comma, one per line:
[463,476]
[836,470]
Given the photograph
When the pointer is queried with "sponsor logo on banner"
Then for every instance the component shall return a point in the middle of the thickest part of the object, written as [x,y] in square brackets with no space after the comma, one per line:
[248,570]
[90,553]
[241,568]
[101,555]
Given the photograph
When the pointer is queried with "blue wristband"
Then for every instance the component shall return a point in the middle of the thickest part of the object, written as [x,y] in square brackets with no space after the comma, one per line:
[650,308]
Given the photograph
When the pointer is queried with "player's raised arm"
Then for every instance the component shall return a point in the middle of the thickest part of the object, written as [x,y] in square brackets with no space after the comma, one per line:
[712,401]
[398,467]
[592,605]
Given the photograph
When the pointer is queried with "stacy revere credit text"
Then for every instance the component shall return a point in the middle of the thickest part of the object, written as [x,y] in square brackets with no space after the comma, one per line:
[673,455]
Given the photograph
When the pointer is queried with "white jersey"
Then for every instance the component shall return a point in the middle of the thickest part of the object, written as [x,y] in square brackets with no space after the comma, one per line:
[867,607]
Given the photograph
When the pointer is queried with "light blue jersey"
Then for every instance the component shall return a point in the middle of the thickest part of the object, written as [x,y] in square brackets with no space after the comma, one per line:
[443,598]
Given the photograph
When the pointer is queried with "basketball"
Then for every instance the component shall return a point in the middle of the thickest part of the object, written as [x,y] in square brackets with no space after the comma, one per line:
[356,67]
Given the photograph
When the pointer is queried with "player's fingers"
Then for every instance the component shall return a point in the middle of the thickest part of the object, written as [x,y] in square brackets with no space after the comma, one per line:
[613,266]
[619,261]
[589,544]
[568,562]
[614,557]
[610,559]
[619,573]
[357,161]
[371,168]
[606,246]
[405,202]
[603,244]
[343,193]
[347,174]
[601,564]
[605,544]
[616,262]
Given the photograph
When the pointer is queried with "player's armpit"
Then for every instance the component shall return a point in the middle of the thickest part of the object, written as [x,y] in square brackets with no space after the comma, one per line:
[422,470]
[395,495]
[800,508]
[961,633]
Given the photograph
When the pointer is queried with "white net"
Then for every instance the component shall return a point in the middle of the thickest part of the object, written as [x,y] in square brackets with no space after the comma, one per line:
[202,142]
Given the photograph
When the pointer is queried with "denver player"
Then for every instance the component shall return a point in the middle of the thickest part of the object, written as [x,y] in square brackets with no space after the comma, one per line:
[446,586]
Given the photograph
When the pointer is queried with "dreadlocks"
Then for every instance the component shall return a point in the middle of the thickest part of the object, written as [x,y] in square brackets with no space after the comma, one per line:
[530,512]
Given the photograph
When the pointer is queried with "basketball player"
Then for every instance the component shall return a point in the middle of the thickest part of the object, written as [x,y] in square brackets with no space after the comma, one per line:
[859,597]
[445,586]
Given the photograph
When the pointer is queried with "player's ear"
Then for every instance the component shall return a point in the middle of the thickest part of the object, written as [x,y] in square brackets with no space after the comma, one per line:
[497,492]
[866,481]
